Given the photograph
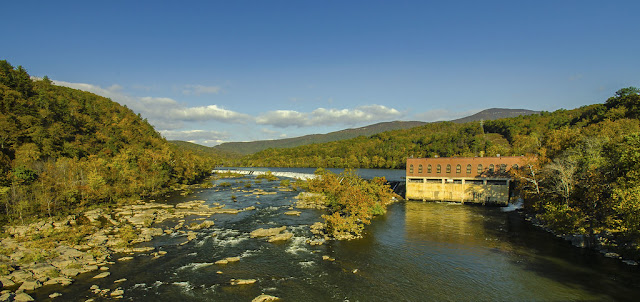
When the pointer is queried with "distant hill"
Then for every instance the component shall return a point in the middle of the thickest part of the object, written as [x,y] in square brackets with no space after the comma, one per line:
[245,148]
[494,114]
[202,150]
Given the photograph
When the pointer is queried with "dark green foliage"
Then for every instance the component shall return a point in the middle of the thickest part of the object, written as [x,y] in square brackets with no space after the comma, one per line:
[63,148]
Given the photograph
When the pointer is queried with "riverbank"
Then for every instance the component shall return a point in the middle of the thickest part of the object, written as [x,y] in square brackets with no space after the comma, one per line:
[604,243]
[52,252]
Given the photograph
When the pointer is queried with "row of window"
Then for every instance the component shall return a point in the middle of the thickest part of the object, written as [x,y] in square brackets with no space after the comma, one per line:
[502,168]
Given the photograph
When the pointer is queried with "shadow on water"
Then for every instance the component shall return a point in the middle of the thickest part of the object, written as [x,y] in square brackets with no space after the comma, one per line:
[544,260]
[554,258]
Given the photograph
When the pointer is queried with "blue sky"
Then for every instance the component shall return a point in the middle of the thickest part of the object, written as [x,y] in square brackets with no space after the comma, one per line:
[219,71]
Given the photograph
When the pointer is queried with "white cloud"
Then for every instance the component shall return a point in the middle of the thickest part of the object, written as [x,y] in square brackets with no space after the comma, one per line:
[202,137]
[328,117]
[200,89]
[282,118]
[211,112]
[164,113]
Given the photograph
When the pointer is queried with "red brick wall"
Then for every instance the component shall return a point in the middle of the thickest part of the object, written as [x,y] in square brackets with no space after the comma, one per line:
[486,163]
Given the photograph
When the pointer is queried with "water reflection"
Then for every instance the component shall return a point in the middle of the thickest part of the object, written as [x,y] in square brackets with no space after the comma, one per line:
[445,223]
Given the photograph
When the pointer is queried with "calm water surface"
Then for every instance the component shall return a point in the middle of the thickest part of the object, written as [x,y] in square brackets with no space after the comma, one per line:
[416,252]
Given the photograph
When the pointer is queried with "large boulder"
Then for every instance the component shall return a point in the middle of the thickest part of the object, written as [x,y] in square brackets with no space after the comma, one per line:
[267,232]
[30,285]
[281,237]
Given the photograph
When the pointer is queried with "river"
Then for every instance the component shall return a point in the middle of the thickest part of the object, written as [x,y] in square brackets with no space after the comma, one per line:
[416,252]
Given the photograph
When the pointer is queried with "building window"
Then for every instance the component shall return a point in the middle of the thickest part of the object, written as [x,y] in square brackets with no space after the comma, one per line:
[469,169]
[411,169]
[480,170]
[491,168]
[448,168]
[429,168]
[503,168]
[438,169]
[419,169]
[458,169]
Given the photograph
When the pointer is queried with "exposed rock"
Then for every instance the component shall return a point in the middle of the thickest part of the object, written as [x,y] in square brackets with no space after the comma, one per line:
[233,259]
[70,272]
[222,261]
[327,258]
[267,232]
[55,295]
[281,237]
[68,252]
[142,249]
[88,268]
[7,296]
[250,208]
[146,234]
[320,241]
[293,213]
[43,270]
[22,297]
[227,211]
[20,276]
[612,255]
[101,275]
[265,298]
[117,292]
[204,225]
[191,236]
[120,280]
[64,281]
[6,282]
[30,285]
[242,281]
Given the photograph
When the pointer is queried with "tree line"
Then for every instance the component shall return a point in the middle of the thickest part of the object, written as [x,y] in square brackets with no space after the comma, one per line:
[62,149]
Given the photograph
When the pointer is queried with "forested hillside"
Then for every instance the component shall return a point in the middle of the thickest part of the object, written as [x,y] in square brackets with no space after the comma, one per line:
[245,148]
[512,136]
[63,148]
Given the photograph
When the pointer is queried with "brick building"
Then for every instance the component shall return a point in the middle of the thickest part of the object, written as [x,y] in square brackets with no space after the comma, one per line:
[461,179]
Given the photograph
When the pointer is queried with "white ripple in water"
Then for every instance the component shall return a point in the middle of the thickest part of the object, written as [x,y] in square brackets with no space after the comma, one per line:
[185,286]
[306,263]
[298,244]
[195,265]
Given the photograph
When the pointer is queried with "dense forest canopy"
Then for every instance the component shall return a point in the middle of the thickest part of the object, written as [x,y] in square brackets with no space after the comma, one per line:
[389,150]
[63,148]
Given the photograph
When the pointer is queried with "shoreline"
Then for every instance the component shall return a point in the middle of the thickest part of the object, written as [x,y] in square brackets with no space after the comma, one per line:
[605,244]
[50,252]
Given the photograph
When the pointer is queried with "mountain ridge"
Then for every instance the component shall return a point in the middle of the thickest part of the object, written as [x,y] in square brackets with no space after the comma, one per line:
[245,148]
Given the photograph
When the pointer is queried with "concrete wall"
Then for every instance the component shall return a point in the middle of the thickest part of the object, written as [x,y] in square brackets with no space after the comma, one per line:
[483,191]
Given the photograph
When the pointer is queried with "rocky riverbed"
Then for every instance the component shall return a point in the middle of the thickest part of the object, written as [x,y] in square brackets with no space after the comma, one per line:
[55,252]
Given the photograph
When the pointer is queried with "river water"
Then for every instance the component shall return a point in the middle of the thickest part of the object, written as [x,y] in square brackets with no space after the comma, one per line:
[416,252]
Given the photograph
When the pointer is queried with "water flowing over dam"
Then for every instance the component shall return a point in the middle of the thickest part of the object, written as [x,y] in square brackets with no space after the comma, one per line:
[303,176]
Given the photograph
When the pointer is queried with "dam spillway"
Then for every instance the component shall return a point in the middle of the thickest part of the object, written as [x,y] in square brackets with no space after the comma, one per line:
[303,176]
